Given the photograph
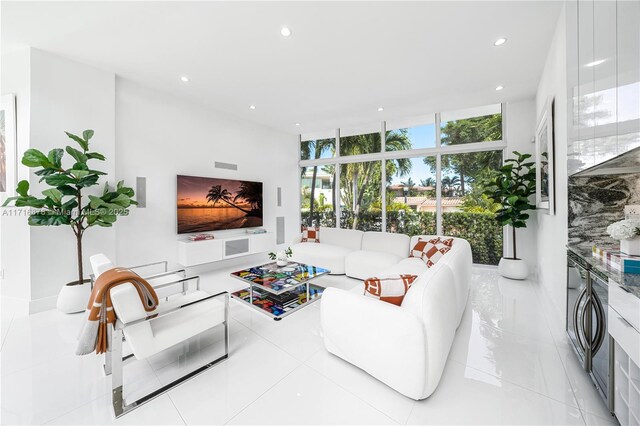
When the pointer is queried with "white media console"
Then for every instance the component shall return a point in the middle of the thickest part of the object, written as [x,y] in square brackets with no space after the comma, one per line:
[192,253]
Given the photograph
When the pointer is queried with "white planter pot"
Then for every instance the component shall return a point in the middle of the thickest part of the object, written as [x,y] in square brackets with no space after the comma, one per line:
[74,298]
[281,262]
[515,269]
[630,247]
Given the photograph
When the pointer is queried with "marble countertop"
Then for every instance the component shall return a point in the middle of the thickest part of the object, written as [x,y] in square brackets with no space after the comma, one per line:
[628,282]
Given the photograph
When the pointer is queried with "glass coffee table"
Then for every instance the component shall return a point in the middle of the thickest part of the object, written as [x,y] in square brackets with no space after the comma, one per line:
[278,291]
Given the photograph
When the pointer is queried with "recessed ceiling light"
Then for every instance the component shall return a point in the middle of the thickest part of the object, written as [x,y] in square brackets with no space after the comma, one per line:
[380,109]
[184,79]
[500,41]
[594,63]
[285,31]
[499,88]
[297,124]
[252,107]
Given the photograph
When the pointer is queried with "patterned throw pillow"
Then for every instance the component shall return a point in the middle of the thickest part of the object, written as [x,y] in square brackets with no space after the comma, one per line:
[435,249]
[310,234]
[419,249]
[391,289]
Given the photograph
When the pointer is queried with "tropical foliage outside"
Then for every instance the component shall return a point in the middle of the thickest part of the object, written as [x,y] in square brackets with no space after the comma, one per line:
[464,178]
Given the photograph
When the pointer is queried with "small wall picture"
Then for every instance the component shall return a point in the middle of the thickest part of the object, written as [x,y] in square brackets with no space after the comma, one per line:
[545,162]
[8,162]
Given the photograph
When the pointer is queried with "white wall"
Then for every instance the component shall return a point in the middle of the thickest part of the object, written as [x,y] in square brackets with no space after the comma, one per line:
[520,123]
[552,229]
[67,96]
[142,133]
[159,137]
[14,231]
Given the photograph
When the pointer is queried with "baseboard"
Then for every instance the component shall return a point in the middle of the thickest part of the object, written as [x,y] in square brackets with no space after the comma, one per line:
[42,304]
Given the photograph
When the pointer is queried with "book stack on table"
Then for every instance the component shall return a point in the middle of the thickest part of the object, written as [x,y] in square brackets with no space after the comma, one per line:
[617,260]
[285,299]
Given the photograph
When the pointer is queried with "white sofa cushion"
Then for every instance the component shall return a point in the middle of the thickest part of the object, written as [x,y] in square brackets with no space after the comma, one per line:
[347,238]
[410,265]
[364,264]
[386,242]
[326,256]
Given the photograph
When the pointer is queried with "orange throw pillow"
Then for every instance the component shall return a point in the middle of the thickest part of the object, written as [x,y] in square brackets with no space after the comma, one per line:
[391,289]
[310,234]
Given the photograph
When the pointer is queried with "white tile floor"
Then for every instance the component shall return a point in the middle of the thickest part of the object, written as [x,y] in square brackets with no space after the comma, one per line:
[510,364]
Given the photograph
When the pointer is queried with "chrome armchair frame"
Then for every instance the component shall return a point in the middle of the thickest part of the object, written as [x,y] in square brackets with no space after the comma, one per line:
[185,287]
[166,272]
[114,360]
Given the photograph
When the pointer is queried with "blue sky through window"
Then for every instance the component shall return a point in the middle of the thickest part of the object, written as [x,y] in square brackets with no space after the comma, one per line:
[421,137]
[419,171]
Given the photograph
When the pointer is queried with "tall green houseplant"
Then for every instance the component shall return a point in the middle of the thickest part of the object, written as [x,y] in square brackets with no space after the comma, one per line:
[65,202]
[511,186]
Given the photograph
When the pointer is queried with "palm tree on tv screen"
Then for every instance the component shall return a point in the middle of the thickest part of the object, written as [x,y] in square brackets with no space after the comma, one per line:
[217,193]
[251,192]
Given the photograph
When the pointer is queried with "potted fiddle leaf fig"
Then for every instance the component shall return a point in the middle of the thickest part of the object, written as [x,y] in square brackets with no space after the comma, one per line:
[511,186]
[66,203]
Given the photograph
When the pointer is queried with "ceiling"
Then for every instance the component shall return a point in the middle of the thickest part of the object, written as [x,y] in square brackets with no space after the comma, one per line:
[342,61]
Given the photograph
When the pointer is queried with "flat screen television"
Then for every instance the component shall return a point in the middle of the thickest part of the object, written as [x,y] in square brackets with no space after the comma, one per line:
[212,204]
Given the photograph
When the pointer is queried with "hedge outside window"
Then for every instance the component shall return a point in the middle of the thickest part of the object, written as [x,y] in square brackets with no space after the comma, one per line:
[466,212]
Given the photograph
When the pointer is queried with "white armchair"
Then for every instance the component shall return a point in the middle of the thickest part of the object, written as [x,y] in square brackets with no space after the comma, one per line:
[165,282]
[148,333]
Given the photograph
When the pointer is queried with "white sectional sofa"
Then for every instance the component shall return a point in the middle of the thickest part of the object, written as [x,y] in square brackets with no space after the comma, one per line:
[330,252]
[355,253]
[405,347]
[379,251]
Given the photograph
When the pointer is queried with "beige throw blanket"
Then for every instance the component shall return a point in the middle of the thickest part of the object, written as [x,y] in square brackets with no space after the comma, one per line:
[100,316]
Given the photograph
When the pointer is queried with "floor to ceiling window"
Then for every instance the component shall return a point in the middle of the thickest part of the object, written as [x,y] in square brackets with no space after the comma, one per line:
[466,212]
[427,177]
[317,182]
[317,200]
[360,195]
[411,196]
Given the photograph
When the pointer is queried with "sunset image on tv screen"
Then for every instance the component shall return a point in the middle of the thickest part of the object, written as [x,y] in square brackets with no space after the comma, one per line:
[210,204]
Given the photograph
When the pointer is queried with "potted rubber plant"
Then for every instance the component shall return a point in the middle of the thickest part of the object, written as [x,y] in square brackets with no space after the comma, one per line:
[66,202]
[512,186]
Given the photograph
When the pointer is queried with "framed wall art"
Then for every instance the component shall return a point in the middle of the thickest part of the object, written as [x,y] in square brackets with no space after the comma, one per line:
[8,147]
[545,160]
